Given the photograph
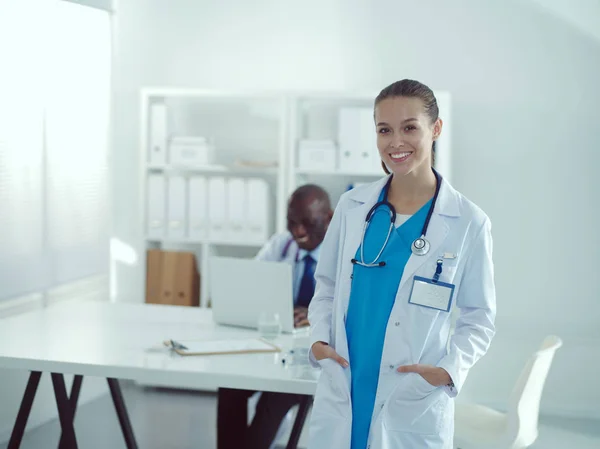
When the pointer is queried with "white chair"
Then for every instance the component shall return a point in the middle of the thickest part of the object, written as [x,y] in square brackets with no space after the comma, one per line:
[479,427]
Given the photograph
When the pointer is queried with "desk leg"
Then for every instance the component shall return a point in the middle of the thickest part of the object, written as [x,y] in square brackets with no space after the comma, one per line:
[73,398]
[25,410]
[299,422]
[117,396]
[65,412]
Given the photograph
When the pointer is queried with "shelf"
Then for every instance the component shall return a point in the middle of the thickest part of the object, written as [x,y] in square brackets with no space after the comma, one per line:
[205,241]
[178,92]
[339,173]
[341,96]
[244,244]
[215,169]
[204,168]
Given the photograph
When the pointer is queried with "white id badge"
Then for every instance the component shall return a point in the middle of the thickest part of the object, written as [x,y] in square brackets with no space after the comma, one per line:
[429,293]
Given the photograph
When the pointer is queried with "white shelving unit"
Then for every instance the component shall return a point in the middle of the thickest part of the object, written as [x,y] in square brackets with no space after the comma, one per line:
[263,128]
[315,116]
[245,126]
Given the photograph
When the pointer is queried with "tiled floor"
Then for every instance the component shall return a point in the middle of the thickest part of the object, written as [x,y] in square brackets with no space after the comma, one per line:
[167,419]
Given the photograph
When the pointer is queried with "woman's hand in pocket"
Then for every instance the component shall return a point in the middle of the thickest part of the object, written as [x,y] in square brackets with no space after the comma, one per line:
[436,376]
[322,350]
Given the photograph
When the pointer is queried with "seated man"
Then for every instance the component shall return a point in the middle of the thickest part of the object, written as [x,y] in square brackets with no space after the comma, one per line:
[308,216]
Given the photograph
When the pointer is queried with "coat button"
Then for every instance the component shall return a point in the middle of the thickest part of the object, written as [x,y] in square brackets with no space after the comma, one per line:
[397,323]
[391,366]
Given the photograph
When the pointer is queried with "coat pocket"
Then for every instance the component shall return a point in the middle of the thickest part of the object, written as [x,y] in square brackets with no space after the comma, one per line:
[333,392]
[416,406]
[329,432]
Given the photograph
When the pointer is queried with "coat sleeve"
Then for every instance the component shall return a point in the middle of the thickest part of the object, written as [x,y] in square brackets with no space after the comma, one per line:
[272,250]
[476,301]
[320,310]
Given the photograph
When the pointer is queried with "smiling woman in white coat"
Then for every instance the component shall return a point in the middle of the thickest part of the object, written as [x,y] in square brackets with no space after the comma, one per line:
[399,256]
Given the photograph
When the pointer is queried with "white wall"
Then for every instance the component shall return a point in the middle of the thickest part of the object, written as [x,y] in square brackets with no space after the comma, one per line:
[525,141]
[583,14]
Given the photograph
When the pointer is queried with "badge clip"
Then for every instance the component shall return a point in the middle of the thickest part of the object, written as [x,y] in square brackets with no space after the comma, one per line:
[438,270]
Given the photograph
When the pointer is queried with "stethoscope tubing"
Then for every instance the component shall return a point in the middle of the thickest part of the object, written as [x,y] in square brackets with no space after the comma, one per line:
[419,250]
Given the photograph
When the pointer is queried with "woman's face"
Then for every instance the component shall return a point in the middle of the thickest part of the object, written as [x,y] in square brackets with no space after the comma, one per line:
[405,134]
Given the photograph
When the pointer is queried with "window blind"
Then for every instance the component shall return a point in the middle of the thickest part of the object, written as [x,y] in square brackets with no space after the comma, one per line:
[54,119]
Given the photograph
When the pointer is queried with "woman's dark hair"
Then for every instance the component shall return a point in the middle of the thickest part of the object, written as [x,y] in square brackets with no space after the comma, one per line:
[412,89]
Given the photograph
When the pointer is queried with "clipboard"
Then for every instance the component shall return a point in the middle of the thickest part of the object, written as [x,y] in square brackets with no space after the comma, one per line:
[221,347]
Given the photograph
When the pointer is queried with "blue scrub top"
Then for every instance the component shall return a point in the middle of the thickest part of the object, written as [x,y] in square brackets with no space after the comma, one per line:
[372,297]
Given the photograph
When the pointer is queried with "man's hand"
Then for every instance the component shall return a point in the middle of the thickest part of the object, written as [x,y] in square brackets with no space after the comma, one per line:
[322,351]
[436,376]
[301,317]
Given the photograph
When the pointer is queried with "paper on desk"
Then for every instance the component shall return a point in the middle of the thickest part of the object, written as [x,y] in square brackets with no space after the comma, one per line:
[237,346]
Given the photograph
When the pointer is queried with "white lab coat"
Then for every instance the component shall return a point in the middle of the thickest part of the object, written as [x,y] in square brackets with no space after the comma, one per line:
[409,413]
[280,248]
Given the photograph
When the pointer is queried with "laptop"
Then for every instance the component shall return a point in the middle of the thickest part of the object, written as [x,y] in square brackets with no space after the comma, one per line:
[243,288]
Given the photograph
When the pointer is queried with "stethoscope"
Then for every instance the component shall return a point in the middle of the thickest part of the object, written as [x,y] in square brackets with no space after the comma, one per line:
[419,247]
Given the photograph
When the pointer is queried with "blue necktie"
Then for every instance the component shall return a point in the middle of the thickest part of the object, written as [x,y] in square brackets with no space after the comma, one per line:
[307,284]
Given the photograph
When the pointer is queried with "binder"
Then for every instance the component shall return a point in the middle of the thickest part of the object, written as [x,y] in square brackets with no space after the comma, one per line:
[357,141]
[157,147]
[198,208]
[176,207]
[156,206]
[236,210]
[257,198]
[217,209]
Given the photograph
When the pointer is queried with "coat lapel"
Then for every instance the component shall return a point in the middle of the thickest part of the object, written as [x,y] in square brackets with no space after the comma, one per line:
[361,201]
[446,206]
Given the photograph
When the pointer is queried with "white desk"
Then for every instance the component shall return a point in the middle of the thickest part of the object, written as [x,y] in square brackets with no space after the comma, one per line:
[124,341]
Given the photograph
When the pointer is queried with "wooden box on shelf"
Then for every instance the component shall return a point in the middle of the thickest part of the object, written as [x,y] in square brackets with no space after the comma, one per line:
[172,278]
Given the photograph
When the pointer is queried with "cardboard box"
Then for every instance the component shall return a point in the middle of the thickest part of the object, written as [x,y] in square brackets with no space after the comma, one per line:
[172,278]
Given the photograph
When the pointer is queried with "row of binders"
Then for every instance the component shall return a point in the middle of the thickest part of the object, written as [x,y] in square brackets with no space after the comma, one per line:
[357,140]
[216,209]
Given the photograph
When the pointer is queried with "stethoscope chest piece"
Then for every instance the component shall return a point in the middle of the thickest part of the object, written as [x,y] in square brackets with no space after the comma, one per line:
[420,246]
